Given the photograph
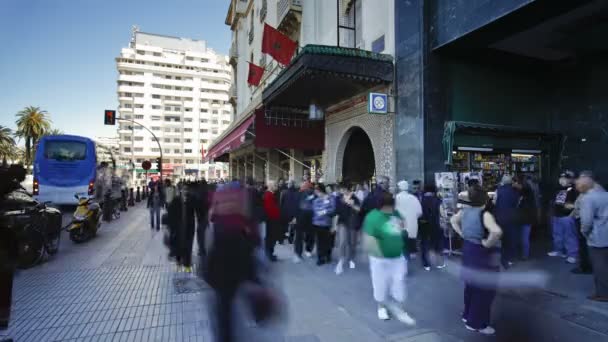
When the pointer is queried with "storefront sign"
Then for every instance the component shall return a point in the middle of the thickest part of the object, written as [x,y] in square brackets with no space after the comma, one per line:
[377,103]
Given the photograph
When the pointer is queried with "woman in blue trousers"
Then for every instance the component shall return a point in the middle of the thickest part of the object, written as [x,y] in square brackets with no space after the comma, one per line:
[480,258]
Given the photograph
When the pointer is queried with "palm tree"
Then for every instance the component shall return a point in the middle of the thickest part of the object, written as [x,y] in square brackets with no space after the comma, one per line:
[54,131]
[32,123]
[7,144]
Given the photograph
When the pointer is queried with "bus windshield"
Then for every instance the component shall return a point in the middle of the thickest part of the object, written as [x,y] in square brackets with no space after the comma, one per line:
[65,150]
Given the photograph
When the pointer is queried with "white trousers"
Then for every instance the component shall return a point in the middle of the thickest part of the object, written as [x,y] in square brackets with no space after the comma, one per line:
[388,274]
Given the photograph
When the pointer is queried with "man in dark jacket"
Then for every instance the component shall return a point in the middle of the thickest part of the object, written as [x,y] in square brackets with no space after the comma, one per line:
[290,200]
[507,200]
[202,215]
[430,232]
[374,199]
[305,236]
[527,213]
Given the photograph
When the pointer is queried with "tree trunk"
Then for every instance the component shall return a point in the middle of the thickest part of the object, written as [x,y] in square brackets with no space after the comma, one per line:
[28,151]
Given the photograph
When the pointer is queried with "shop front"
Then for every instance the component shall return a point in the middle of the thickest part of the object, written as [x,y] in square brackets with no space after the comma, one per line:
[329,86]
[487,152]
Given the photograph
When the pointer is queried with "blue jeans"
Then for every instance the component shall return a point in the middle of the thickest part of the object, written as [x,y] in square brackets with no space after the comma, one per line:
[525,240]
[155,214]
[564,236]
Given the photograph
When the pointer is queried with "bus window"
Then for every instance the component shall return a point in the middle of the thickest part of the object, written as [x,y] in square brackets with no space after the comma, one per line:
[65,150]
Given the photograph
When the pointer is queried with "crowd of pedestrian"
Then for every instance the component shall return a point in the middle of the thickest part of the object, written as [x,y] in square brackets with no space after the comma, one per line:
[249,219]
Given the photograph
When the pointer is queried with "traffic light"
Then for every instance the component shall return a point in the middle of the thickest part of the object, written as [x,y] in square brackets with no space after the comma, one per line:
[109,117]
[159,164]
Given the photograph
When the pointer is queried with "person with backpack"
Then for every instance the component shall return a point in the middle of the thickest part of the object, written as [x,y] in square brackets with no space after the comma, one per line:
[480,254]
[324,209]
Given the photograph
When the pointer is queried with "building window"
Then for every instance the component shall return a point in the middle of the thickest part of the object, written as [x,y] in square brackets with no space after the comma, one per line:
[155,107]
[139,138]
[214,131]
[187,150]
[203,130]
[177,161]
[140,117]
[225,122]
[187,129]
[177,140]
[189,161]
[177,130]
[177,150]
[204,121]
[139,149]
[139,160]
[155,118]
[155,149]
[167,140]
[187,141]
[127,149]
[156,54]
[204,141]
[155,128]
[188,119]
[167,130]
[167,150]
[167,108]
[154,96]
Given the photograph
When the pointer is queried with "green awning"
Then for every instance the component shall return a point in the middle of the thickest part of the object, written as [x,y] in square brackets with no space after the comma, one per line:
[473,134]
[144,171]
[327,75]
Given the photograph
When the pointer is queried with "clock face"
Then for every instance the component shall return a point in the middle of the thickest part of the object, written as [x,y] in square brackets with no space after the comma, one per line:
[378,102]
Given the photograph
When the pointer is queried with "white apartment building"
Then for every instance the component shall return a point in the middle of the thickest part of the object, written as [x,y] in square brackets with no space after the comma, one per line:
[178,89]
[346,50]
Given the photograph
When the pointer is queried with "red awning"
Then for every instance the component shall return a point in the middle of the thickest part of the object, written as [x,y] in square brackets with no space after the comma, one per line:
[231,141]
[278,136]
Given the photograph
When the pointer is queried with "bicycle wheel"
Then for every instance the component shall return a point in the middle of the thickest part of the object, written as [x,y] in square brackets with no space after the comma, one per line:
[30,250]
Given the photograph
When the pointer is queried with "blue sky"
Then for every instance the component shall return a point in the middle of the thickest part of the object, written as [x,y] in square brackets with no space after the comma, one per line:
[59,54]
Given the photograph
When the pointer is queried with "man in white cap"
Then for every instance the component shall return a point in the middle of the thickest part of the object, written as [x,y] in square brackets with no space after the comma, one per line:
[410,210]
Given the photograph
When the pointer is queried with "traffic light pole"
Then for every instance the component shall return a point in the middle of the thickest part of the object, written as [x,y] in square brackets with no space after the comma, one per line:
[155,138]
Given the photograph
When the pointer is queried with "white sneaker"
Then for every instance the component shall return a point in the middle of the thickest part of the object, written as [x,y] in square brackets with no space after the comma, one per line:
[351,265]
[297,259]
[485,331]
[339,268]
[571,260]
[307,254]
[405,318]
[383,314]
[464,320]
[427,268]
[555,254]
[441,266]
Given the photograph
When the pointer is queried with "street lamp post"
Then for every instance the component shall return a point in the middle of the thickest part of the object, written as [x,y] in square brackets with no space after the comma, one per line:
[155,138]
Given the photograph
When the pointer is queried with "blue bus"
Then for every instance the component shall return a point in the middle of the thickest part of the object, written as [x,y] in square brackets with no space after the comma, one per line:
[64,165]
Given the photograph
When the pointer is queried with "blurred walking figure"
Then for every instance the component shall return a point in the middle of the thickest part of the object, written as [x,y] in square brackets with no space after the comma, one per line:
[182,218]
[410,210]
[305,234]
[323,212]
[273,220]
[507,201]
[202,215]
[594,227]
[430,232]
[231,261]
[527,213]
[383,240]
[361,192]
[155,202]
[480,253]
[563,225]
[290,200]
[374,199]
[349,224]
[170,192]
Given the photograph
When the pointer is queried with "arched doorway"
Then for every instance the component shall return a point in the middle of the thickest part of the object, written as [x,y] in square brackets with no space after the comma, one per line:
[358,164]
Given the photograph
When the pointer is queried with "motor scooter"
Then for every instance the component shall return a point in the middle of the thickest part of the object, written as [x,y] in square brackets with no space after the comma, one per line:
[86,220]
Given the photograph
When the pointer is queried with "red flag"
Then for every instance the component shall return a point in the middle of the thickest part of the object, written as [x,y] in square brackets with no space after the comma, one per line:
[278,45]
[255,74]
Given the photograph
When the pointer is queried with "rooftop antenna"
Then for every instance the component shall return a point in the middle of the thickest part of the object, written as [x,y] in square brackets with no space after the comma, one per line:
[134,30]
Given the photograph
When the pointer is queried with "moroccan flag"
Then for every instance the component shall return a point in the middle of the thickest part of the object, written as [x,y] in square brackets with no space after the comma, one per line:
[255,74]
[278,45]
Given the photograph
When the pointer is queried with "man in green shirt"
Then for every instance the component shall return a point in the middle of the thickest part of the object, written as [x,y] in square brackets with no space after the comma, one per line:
[383,239]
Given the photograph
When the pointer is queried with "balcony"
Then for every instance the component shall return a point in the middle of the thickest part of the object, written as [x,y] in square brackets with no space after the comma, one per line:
[234,53]
[233,94]
[289,17]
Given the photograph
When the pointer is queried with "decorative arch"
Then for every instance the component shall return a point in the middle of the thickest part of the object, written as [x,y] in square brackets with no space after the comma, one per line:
[346,134]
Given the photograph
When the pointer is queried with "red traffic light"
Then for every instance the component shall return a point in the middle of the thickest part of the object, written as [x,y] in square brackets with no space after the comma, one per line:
[146,165]
[109,117]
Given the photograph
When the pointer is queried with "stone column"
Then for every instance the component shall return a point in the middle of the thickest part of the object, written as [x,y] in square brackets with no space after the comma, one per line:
[295,168]
[273,166]
[258,167]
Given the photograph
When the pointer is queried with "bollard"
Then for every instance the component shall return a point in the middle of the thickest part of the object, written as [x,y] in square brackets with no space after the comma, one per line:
[131,198]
